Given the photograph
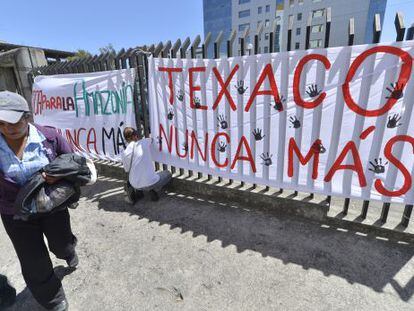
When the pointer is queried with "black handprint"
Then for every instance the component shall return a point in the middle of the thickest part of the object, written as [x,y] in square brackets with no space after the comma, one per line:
[240,87]
[278,105]
[378,167]
[185,147]
[313,90]
[257,133]
[295,122]
[180,95]
[170,114]
[159,140]
[318,147]
[222,147]
[222,122]
[393,121]
[267,159]
[396,90]
[197,102]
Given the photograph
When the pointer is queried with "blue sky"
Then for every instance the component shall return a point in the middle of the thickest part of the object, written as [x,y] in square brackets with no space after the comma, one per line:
[90,24]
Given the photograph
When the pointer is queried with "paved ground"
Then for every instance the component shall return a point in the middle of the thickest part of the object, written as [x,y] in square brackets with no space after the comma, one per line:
[184,253]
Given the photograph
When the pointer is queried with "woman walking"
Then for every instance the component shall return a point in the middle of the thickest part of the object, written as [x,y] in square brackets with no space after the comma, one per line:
[25,148]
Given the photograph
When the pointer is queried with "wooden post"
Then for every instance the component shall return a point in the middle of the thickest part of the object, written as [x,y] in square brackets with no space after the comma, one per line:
[257,36]
[184,47]
[118,59]
[183,52]
[204,55]
[406,215]
[400,30]
[307,45]
[156,53]
[217,44]
[175,48]
[133,63]
[376,38]
[272,37]
[230,43]
[410,33]
[351,31]
[328,26]
[165,49]
[308,30]
[173,54]
[158,49]
[377,29]
[194,46]
[289,35]
[141,60]
[351,37]
[204,46]
[399,26]
[243,41]
[193,51]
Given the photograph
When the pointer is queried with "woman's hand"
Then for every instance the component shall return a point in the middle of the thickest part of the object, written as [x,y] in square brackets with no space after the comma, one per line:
[50,179]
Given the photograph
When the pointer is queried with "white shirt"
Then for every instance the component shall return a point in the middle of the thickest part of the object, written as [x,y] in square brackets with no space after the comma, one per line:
[141,170]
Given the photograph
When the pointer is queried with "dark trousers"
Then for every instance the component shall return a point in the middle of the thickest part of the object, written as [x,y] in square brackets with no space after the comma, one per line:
[28,242]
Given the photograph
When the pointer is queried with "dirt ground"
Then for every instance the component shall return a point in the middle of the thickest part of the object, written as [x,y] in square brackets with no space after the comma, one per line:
[186,253]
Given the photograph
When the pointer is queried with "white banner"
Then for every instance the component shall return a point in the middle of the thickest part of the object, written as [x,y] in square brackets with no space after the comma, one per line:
[335,121]
[89,109]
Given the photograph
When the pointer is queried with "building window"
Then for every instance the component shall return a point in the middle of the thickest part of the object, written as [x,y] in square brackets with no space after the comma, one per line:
[299,17]
[318,13]
[317,28]
[297,45]
[266,49]
[242,27]
[259,10]
[267,8]
[290,20]
[266,35]
[243,1]
[291,2]
[315,43]
[244,13]
[267,23]
[300,1]
[297,31]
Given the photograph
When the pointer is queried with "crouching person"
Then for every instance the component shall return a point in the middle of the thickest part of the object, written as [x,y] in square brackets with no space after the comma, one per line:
[137,161]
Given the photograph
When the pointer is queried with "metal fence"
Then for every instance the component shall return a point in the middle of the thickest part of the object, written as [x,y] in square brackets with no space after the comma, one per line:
[137,58]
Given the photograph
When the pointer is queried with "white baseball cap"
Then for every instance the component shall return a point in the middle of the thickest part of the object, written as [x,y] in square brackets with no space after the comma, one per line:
[12,107]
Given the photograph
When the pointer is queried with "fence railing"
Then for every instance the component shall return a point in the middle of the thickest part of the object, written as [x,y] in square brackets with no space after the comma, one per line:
[137,58]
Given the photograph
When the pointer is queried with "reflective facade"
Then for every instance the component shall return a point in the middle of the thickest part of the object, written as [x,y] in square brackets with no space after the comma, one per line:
[217,17]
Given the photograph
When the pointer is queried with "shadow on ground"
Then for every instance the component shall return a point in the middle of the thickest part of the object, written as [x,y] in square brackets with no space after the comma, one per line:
[25,300]
[358,258]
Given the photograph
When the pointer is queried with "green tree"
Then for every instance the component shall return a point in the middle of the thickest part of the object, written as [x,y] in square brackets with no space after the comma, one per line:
[108,48]
[80,54]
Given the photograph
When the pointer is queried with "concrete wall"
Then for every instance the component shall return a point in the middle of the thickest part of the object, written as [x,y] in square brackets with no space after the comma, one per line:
[15,66]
